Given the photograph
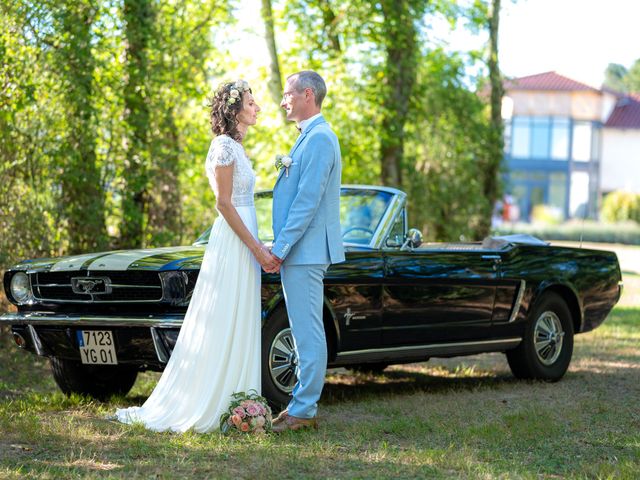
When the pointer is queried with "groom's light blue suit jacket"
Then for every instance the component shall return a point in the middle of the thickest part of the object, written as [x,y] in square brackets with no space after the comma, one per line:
[306,202]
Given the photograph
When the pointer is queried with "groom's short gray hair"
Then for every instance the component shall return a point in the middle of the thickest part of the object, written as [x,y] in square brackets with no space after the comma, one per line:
[310,79]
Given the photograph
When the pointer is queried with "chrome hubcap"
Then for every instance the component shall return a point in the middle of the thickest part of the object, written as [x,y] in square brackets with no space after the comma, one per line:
[548,335]
[283,361]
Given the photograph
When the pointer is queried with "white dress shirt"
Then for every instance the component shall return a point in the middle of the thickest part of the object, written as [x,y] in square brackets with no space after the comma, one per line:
[304,123]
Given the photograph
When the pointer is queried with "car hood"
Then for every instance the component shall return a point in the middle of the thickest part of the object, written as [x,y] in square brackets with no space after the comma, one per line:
[169,258]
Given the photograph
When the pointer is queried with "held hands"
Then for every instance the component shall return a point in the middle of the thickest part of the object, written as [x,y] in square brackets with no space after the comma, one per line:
[268,261]
[275,265]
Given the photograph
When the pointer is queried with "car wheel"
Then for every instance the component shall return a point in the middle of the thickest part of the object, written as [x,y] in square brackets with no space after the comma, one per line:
[369,367]
[546,349]
[279,360]
[98,381]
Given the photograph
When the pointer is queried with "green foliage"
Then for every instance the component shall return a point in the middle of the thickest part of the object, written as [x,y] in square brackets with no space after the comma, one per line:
[104,126]
[614,77]
[547,214]
[400,105]
[446,147]
[621,79]
[620,206]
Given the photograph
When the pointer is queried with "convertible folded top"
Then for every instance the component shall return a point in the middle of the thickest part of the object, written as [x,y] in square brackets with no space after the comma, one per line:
[503,241]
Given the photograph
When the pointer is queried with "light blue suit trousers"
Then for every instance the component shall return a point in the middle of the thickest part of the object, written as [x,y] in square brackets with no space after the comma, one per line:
[303,293]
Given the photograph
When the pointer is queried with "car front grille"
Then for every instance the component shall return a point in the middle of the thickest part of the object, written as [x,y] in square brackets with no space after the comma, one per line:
[123,286]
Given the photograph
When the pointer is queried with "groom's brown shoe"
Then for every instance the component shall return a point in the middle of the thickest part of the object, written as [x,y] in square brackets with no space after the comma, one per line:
[295,423]
[280,418]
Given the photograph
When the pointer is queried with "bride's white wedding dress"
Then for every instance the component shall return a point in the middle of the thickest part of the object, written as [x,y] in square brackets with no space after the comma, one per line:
[218,350]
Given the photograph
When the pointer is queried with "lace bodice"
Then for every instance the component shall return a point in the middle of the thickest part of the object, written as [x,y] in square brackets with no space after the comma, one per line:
[225,151]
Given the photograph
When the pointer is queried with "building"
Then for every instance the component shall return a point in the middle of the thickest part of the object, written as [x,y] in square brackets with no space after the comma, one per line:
[567,143]
[620,165]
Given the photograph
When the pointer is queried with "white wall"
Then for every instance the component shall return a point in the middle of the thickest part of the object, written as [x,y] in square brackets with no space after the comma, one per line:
[620,165]
[581,105]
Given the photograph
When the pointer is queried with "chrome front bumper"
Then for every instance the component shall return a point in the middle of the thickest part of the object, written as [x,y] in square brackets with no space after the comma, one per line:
[32,320]
[38,318]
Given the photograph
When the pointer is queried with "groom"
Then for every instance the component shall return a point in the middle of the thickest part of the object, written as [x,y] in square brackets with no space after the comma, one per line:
[307,239]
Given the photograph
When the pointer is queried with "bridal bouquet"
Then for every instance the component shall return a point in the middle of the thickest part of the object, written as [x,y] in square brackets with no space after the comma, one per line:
[248,413]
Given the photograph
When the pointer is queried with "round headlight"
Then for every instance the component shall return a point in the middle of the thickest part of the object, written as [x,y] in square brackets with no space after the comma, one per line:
[20,289]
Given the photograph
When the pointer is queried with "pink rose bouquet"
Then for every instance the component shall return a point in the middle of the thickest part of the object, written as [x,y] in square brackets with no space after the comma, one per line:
[248,413]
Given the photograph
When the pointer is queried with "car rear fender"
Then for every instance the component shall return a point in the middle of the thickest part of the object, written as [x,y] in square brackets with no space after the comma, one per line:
[569,295]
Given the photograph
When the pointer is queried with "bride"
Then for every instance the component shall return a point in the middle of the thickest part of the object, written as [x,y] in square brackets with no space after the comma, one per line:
[218,349]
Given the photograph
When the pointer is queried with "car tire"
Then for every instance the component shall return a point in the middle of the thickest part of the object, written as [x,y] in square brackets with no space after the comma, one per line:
[279,360]
[97,381]
[369,367]
[547,346]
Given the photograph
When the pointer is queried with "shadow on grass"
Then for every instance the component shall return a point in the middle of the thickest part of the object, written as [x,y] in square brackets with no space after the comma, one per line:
[358,387]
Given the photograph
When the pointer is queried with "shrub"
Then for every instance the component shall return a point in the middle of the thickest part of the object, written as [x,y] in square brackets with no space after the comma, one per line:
[588,230]
[621,206]
[546,214]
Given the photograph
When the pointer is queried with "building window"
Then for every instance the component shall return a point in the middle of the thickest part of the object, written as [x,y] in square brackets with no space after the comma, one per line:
[520,138]
[541,138]
[560,139]
[582,141]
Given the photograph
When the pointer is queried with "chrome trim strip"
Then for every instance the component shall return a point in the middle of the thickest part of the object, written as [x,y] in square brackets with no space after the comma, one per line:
[35,318]
[135,286]
[114,285]
[431,346]
[58,300]
[516,306]
[386,222]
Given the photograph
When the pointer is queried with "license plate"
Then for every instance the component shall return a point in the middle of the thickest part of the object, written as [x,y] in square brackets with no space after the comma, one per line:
[97,347]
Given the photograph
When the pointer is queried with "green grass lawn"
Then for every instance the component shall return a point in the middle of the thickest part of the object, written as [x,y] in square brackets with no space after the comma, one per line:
[447,418]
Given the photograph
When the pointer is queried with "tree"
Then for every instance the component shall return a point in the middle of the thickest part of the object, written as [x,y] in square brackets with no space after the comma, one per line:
[82,195]
[614,77]
[621,79]
[491,169]
[275,78]
[138,17]
[402,110]
[632,78]
[399,38]
[29,188]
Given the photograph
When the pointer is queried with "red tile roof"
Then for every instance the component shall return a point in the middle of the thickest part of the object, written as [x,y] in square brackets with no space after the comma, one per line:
[547,81]
[626,113]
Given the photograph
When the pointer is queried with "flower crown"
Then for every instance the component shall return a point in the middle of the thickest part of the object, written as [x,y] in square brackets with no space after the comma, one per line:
[236,90]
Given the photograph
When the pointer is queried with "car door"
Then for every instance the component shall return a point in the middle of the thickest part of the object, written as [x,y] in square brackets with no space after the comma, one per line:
[354,292]
[434,295]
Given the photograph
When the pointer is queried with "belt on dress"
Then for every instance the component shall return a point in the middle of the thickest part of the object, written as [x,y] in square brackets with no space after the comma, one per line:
[242,200]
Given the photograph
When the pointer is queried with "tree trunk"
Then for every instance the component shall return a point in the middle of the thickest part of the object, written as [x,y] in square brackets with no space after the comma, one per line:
[329,20]
[138,16]
[491,182]
[399,34]
[82,195]
[275,78]
[165,207]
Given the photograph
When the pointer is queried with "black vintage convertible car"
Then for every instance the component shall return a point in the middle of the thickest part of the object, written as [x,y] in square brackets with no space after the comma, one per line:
[103,317]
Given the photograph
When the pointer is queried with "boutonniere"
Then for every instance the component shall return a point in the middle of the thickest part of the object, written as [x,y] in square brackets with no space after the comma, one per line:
[283,161]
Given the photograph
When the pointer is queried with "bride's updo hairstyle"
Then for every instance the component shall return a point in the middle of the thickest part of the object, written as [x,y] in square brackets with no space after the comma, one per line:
[225,105]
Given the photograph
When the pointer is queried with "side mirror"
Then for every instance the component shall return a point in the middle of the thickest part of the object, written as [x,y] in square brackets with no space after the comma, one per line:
[412,240]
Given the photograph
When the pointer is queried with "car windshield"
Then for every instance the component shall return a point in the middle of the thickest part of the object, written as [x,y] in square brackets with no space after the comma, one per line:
[361,211]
